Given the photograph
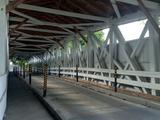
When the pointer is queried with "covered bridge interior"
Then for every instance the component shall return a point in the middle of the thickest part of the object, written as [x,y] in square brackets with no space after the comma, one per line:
[50,40]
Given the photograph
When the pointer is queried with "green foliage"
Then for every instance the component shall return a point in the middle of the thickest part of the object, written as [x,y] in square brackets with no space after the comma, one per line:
[19,61]
[69,44]
[82,42]
[100,36]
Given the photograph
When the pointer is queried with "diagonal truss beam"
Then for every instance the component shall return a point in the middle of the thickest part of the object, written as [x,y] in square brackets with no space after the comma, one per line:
[133,63]
[149,16]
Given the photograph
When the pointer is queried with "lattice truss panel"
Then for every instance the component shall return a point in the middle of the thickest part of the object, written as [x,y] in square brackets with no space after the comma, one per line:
[33,31]
[138,55]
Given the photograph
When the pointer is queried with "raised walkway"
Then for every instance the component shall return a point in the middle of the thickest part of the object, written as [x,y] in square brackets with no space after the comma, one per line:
[73,102]
[22,104]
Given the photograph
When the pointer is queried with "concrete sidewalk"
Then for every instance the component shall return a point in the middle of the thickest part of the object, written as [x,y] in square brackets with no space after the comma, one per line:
[22,104]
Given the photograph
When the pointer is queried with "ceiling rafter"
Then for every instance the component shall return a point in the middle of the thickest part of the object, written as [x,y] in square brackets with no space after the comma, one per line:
[70,2]
[147,3]
[31,49]
[115,7]
[33,40]
[11,6]
[90,5]
[43,30]
[47,39]
[39,22]
[57,24]
[62,12]
[66,18]
[19,25]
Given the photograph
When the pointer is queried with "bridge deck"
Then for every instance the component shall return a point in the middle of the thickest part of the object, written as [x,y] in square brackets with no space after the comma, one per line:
[22,104]
[78,103]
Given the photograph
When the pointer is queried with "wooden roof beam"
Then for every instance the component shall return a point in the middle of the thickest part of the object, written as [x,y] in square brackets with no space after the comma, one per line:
[43,30]
[11,6]
[17,19]
[29,49]
[91,6]
[19,25]
[62,12]
[33,40]
[147,3]
[115,7]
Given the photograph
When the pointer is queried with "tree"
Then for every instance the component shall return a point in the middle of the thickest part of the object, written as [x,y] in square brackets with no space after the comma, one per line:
[100,36]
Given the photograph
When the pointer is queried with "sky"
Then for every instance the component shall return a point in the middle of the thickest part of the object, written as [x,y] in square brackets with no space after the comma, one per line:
[130,31]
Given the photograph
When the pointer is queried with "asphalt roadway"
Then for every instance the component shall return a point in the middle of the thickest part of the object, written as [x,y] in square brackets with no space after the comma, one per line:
[78,103]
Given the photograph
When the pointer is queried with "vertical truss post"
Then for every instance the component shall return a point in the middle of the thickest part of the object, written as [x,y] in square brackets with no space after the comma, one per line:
[24,71]
[37,70]
[18,71]
[14,69]
[59,71]
[30,74]
[77,73]
[154,57]
[111,44]
[45,80]
[49,71]
[115,78]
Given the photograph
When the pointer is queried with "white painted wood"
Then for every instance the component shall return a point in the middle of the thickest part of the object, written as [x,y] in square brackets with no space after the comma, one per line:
[44,30]
[120,81]
[61,12]
[149,16]
[148,4]
[4,56]
[115,7]
[3,94]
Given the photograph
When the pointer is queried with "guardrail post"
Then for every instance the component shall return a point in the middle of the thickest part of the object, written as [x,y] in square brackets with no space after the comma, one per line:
[77,73]
[45,80]
[59,71]
[30,74]
[115,78]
